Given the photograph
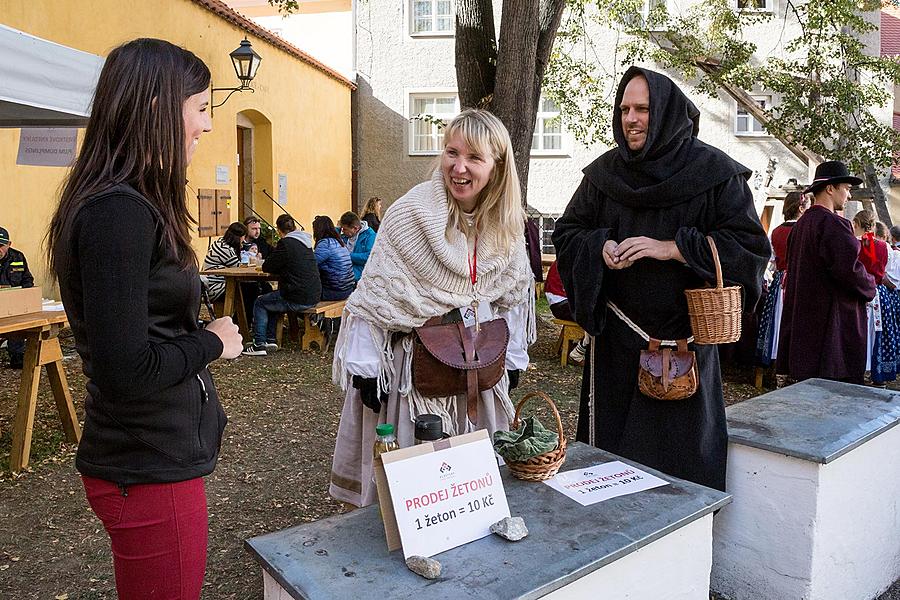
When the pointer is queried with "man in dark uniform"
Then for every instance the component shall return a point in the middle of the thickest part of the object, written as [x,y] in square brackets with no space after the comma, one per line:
[13,273]
[632,239]
[824,323]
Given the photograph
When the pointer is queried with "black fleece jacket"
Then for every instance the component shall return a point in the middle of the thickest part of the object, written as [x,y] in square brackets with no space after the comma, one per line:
[152,414]
[298,273]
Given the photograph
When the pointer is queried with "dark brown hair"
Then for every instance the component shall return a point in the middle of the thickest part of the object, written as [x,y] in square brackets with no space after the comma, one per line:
[233,235]
[350,219]
[135,136]
[791,208]
[323,227]
[285,223]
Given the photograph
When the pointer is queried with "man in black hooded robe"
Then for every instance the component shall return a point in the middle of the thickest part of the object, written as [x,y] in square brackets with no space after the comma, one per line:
[634,235]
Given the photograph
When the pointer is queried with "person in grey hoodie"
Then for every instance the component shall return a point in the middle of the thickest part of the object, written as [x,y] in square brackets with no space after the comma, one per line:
[299,286]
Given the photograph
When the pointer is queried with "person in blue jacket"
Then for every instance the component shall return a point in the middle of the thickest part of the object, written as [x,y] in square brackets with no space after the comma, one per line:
[359,239]
[333,258]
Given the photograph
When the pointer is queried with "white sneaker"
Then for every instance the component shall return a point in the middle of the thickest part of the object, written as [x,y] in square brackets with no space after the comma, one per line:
[271,347]
[577,354]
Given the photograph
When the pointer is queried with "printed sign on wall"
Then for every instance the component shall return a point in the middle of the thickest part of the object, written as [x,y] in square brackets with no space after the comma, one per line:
[282,188]
[47,147]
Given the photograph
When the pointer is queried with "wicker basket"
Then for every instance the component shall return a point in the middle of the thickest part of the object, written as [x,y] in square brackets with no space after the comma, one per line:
[715,311]
[543,466]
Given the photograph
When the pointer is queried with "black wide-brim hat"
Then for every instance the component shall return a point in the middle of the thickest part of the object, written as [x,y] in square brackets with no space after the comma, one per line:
[831,172]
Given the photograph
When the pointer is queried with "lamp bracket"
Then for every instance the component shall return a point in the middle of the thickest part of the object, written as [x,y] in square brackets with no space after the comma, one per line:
[232,90]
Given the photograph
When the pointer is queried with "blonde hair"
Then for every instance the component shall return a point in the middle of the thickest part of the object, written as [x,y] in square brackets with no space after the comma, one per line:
[500,202]
[865,219]
[373,207]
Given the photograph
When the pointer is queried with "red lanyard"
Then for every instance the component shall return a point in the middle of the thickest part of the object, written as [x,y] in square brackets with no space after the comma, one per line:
[473,262]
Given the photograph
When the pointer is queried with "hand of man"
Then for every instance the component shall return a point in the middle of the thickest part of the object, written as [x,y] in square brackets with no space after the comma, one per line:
[636,248]
[609,256]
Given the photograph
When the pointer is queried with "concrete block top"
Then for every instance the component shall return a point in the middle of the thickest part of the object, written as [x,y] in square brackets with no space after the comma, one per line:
[815,420]
[346,556]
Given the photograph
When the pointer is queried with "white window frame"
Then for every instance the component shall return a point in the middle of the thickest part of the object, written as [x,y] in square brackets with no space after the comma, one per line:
[645,7]
[539,123]
[768,8]
[411,21]
[751,130]
[418,93]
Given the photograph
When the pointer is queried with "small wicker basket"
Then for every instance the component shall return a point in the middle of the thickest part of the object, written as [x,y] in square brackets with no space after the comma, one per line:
[545,465]
[715,312]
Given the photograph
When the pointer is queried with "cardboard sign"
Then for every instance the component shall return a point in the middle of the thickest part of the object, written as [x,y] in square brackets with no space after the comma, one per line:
[602,482]
[440,498]
[53,147]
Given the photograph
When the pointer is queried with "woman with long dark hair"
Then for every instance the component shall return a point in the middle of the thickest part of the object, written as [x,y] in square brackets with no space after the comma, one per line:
[333,258]
[119,244]
[223,253]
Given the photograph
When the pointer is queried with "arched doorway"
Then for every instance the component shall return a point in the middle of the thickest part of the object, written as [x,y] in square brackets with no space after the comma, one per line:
[254,164]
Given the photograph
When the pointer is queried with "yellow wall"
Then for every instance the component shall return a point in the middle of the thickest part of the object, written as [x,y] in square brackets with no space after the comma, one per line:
[309,114]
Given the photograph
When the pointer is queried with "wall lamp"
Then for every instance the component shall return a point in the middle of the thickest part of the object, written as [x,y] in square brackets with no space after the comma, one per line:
[246,62]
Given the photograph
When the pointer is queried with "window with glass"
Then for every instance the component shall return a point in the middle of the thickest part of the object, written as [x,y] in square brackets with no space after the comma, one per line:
[428,114]
[548,134]
[432,16]
[745,123]
[760,5]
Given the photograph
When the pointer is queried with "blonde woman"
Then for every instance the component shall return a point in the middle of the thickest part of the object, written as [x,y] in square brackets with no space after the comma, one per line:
[372,213]
[450,241]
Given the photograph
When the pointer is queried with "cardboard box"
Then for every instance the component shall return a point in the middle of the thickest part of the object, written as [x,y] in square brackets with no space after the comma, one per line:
[19,301]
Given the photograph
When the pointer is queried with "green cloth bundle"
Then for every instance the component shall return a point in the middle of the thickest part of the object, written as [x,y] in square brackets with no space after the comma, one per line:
[529,440]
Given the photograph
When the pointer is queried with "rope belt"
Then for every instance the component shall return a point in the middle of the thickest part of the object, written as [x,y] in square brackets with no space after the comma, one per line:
[643,334]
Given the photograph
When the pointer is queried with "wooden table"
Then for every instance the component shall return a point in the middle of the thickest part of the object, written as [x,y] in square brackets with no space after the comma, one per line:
[42,348]
[234,300]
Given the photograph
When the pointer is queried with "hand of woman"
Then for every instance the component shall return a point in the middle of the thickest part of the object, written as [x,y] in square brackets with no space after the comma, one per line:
[227,331]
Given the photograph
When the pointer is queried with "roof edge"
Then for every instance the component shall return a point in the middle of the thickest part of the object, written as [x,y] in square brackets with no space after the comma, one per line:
[227,13]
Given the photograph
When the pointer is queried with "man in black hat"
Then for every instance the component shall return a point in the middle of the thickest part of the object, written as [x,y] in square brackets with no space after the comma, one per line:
[13,273]
[823,326]
[631,241]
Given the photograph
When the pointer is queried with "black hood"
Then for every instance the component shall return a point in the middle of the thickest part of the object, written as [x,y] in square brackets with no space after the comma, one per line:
[673,165]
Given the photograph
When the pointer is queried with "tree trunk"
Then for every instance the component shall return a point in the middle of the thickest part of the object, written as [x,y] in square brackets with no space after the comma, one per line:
[507,80]
[476,53]
[878,198]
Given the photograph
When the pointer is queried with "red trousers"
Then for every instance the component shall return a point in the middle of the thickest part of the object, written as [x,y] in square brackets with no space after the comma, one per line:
[158,533]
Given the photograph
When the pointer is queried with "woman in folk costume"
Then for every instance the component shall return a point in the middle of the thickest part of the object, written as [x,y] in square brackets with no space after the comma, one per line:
[873,254]
[886,350]
[795,204]
[453,242]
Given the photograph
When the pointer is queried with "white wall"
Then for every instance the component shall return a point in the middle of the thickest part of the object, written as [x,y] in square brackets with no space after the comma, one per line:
[390,63]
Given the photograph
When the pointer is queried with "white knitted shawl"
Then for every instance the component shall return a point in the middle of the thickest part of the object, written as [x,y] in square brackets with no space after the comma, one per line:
[414,272]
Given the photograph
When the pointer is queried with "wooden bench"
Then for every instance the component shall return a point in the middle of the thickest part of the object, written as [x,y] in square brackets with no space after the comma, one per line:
[570,332]
[329,309]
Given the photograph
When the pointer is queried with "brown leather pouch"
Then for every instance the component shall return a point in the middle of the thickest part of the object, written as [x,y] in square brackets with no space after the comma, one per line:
[453,359]
[667,374]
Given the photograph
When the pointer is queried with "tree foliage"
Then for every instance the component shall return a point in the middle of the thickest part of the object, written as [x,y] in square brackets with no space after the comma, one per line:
[826,85]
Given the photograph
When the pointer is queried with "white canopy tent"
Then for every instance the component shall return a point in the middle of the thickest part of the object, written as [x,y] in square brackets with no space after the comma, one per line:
[44,84]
